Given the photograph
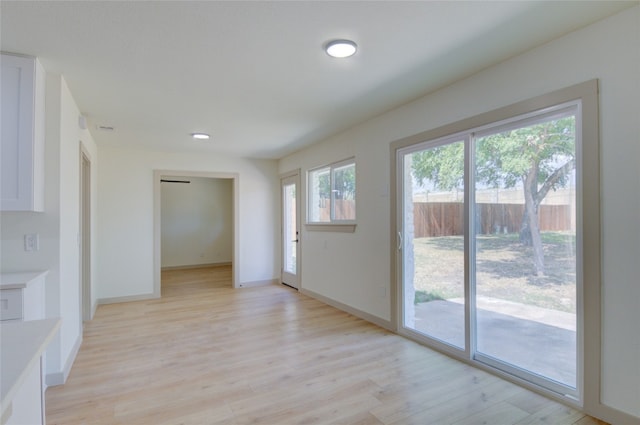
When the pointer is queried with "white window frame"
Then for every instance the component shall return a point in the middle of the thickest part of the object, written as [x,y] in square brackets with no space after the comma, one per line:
[333,224]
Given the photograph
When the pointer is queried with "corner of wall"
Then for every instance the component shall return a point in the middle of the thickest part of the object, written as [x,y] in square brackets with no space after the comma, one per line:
[59,378]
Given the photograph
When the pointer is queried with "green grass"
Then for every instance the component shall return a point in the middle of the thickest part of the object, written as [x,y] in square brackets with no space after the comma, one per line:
[504,269]
[424,297]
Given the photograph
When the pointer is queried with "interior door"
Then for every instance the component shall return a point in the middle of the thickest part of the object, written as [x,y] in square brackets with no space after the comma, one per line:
[290,190]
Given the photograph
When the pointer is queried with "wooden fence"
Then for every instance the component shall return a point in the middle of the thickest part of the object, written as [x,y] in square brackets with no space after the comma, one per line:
[446,218]
[345,209]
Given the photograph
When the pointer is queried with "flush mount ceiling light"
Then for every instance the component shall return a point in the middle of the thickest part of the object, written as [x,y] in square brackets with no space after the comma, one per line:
[341,48]
[105,127]
[200,136]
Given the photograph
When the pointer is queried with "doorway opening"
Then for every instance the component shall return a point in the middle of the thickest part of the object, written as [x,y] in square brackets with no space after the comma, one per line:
[195,221]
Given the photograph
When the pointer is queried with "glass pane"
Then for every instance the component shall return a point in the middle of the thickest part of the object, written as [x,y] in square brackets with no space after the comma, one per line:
[344,192]
[319,195]
[433,243]
[525,238]
[290,234]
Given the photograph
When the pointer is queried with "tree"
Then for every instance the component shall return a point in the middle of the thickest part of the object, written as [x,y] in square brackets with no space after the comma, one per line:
[540,157]
[345,182]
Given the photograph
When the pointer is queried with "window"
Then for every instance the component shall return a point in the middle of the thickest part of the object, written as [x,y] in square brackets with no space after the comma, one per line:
[332,193]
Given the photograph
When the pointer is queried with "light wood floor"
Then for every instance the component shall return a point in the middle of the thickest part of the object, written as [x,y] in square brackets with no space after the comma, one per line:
[209,354]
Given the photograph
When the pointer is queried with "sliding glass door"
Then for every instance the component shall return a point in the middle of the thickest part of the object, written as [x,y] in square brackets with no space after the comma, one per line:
[433,242]
[488,245]
[524,259]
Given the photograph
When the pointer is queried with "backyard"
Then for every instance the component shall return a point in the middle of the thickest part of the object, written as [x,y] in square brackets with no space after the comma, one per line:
[504,270]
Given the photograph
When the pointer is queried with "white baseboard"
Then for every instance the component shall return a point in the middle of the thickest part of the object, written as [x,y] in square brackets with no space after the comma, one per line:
[59,378]
[612,415]
[386,324]
[126,299]
[196,266]
[259,283]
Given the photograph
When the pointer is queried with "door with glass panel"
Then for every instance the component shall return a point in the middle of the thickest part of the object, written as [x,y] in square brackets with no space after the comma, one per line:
[291,230]
[524,248]
[487,246]
[432,242]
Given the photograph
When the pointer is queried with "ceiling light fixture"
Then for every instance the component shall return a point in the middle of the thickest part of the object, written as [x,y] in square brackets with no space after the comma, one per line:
[341,48]
[105,127]
[200,136]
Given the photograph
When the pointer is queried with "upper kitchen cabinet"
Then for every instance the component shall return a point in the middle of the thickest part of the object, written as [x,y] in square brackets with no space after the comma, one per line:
[22,124]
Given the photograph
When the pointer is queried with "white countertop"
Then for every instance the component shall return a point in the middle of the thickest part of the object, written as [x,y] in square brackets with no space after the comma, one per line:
[21,345]
[20,279]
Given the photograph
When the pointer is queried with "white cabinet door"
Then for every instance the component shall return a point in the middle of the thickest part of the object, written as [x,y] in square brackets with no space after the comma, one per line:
[11,304]
[22,134]
[27,407]
[25,302]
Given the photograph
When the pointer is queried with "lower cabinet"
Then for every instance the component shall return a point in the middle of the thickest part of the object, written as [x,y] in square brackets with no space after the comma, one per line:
[22,296]
[23,336]
[22,345]
[11,307]
[27,407]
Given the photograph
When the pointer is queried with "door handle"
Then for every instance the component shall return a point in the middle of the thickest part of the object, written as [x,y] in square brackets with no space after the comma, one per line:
[399,241]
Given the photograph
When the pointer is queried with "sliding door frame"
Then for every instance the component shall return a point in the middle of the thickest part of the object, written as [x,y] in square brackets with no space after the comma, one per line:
[589,347]
[399,156]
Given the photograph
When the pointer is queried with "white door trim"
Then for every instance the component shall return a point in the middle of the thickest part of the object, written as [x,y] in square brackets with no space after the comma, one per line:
[296,282]
[84,236]
[157,261]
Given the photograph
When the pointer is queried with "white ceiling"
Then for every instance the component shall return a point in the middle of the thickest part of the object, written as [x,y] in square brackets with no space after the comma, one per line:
[254,75]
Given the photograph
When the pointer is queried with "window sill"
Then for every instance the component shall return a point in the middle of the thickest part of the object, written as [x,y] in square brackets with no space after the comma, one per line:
[331,227]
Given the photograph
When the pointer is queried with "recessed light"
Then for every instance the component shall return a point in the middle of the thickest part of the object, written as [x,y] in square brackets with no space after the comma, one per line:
[341,48]
[200,136]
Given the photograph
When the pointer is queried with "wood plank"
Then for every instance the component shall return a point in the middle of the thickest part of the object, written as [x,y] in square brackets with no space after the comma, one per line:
[557,415]
[208,353]
[500,413]
[465,405]
[588,420]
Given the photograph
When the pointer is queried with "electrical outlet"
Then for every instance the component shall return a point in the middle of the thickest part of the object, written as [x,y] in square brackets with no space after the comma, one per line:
[383,291]
[31,242]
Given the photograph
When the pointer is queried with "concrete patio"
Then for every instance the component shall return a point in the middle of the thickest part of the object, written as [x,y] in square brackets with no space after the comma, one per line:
[539,340]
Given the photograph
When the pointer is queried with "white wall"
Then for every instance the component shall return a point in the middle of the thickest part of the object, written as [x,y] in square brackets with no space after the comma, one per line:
[197,221]
[125,229]
[57,226]
[350,268]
